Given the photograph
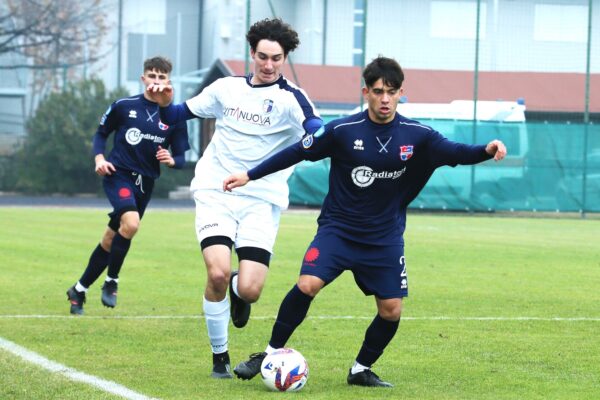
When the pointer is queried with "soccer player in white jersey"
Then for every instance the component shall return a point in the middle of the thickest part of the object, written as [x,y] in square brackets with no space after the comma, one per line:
[256,116]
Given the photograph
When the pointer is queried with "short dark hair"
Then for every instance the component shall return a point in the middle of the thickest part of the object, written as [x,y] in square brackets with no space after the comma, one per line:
[161,64]
[386,69]
[275,30]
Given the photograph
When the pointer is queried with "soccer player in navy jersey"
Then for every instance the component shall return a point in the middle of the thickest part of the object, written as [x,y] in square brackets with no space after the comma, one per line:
[141,145]
[380,161]
[256,116]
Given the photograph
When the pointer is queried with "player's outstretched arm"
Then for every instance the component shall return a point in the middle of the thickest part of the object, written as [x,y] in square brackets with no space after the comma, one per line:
[497,149]
[161,94]
[235,180]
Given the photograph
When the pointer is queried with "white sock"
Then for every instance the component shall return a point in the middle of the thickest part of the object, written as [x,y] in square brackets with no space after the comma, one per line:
[234,282]
[217,322]
[356,368]
[80,288]
[108,279]
[269,349]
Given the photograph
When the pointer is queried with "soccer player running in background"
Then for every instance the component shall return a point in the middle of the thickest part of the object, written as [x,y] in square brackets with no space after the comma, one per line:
[141,144]
[380,161]
[256,116]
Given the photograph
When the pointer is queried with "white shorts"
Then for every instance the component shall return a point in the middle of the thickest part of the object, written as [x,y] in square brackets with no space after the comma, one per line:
[247,221]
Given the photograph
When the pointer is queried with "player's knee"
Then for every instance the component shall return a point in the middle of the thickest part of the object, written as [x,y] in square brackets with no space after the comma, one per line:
[251,293]
[391,312]
[129,224]
[218,280]
[107,240]
[309,288]
[391,315]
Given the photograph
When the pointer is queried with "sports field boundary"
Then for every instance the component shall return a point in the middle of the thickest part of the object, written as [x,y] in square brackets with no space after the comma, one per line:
[323,317]
[70,373]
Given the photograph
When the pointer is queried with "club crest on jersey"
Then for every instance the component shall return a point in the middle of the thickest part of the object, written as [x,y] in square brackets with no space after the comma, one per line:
[163,127]
[307,141]
[267,106]
[406,152]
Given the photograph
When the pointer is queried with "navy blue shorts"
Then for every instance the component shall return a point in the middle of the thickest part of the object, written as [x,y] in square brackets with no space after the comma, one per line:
[126,191]
[377,270]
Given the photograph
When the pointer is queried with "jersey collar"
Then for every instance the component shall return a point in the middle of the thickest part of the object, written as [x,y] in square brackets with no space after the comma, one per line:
[279,81]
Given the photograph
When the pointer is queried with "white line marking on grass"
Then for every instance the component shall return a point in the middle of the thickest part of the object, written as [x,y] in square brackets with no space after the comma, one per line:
[70,373]
[324,317]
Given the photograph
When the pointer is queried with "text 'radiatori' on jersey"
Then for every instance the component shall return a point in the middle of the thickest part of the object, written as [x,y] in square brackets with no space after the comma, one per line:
[134,136]
[364,176]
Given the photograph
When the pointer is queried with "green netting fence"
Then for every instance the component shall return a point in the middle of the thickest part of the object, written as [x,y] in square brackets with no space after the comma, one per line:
[550,167]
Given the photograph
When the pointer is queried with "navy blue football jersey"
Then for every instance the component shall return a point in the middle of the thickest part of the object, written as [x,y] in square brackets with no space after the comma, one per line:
[138,133]
[376,171]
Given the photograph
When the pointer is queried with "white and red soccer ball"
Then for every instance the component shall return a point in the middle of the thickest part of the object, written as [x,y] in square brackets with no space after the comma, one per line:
[284,370]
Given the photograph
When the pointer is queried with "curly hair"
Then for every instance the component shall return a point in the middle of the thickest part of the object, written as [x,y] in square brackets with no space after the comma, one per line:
[275,30]
[386,69]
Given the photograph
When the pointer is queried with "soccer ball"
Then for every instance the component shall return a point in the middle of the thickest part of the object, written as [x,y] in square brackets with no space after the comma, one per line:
[284,370]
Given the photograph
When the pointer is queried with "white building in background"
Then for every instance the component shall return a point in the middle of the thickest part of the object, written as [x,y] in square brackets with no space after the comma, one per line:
[524,35]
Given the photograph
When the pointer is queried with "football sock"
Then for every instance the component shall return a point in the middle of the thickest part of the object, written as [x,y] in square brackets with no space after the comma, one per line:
[377,337]
[96,265]
[109,279]
[269,349]
[216,314]
[358,367]
[234,282]
[292,311]
[118,251]
[80,288]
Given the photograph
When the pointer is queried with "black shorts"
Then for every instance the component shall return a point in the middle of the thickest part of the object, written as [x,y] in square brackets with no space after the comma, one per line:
[377,270]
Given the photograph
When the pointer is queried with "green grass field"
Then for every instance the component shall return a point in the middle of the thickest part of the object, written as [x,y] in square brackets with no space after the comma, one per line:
[499,308]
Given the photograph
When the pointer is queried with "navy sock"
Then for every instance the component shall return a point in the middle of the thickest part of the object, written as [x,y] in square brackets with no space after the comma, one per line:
[378,336]
[96,265]
[292,311]
[118,251]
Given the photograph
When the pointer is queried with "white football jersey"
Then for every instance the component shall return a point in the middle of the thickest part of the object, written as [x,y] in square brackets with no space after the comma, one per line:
[253,122]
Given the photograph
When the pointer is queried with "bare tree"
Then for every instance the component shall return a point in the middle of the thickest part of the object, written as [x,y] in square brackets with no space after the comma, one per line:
[50,37]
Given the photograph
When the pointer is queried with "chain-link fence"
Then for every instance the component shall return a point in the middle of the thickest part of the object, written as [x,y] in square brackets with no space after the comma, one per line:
[526,72]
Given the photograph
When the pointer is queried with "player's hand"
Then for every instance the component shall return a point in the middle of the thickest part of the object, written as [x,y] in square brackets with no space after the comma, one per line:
[161,94]
[497,149]
[104,167]
[235,180]
[164,157]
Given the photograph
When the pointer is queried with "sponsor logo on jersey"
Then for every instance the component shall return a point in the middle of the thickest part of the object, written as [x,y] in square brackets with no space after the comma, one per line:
[364,176]
[358,144]
[163,127]
[134,136]
[132,114]
[307,141]
[267,106]
[406,152]
[253,118]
